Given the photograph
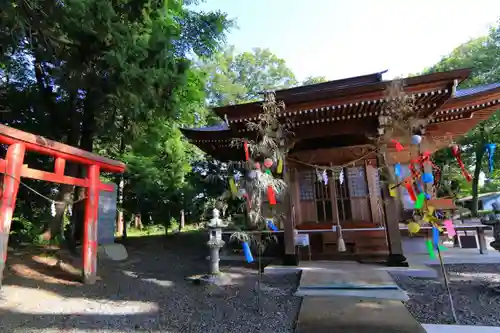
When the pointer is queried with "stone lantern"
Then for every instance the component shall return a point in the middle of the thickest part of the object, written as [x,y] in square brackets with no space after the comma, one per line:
[215,242]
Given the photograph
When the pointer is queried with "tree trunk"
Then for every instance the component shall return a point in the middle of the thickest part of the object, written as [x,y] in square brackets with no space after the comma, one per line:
[181,225]
[86,143]
[120,179]
[479,154]
[56,224]
[138,221]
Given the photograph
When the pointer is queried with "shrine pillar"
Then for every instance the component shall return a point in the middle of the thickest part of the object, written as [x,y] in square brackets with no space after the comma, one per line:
[11,179]
[89,248]
[290,258]
[391,217]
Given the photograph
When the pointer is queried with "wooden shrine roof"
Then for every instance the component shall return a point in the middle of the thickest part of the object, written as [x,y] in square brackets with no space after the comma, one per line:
[343,113]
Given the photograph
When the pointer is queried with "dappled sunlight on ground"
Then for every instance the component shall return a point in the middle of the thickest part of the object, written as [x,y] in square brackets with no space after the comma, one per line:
[46,302]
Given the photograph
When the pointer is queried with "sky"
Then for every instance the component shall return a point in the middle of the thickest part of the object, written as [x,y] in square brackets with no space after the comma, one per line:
[343,38]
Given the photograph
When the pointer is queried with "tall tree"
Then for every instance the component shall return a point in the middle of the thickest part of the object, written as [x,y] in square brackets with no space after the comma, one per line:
[483,56]
[241,77]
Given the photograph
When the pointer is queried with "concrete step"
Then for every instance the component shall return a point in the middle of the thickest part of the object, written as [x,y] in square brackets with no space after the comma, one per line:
[355,315]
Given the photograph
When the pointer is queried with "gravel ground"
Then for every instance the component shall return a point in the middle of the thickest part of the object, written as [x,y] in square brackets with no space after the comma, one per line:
[475,290]
[149,293]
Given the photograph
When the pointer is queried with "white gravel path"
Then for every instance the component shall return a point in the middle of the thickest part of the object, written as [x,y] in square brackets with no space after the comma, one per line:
[475,289]
[149,293]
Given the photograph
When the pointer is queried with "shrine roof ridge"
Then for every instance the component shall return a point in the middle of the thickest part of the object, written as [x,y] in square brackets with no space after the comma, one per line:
[348,89]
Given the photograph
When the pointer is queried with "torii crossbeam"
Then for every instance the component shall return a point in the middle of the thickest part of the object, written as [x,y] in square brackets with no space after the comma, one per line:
[13,170]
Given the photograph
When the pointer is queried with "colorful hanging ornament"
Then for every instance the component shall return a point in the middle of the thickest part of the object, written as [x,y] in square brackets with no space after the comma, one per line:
[271,225]
[247,153]
[430,249]
[450,229]
[409,188]
[252,174]
[279,169]
[490,150]
[435,236]
[428,178]
[268,172]
[397,170]
[455,150]
[232,187]
[268,163]
[416,139]
[247,252]
[399,147]
[419,203]
[393,192]
[413,227]
[271,196]
[257,165]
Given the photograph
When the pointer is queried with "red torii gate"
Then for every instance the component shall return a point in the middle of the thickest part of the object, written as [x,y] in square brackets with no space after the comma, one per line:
[13,170]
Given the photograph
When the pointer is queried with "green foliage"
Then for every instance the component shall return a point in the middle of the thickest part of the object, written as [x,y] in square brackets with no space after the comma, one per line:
[236,78]
[483,56]
[113,77]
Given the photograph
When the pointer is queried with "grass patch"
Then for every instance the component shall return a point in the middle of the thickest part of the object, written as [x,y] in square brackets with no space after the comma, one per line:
[159,230]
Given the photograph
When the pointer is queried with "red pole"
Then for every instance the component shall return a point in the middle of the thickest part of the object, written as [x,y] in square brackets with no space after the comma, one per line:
[14,164]
[90,226]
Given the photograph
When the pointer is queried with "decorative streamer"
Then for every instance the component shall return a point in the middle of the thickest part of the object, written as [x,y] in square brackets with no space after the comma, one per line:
[490,149]
[271,195]
[409,188]
[397,170]
[398,145]
[419,203]
[324,175]
[247,153]
[247,252]
[341,177]
[430,249]
[393,192]
[435,236]
[455,150]
[53,208]
[279,169]
[450,229]
[232,187]
[428,178]
[271,225]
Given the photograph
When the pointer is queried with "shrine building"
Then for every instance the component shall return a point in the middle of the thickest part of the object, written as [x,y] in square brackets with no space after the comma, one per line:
[334,124]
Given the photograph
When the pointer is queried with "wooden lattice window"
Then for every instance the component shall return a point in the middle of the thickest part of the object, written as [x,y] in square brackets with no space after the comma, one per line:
[323,200]
[351,188]
[306,186]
